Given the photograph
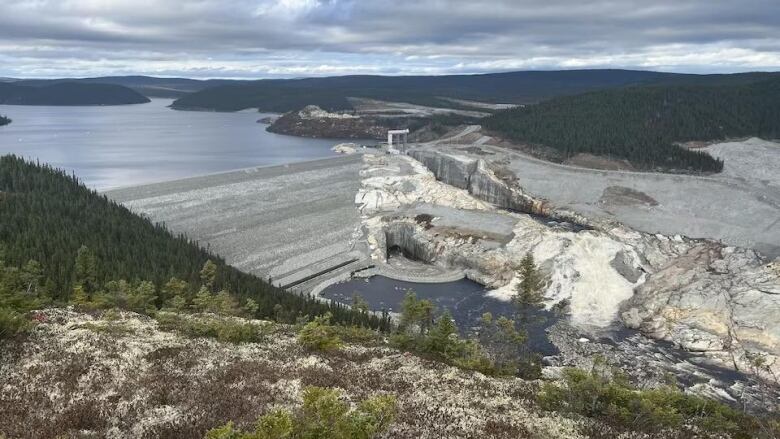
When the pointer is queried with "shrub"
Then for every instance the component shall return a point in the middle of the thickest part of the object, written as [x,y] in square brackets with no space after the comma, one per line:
[12,323]
[323,415]
[277,424]
[226,431]
[320,335]
[225,330]
[595,394]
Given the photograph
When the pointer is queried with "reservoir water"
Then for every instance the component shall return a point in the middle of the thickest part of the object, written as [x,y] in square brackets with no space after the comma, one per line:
[125,145]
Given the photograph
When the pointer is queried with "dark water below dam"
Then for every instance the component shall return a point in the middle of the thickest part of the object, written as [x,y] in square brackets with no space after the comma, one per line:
[465,299]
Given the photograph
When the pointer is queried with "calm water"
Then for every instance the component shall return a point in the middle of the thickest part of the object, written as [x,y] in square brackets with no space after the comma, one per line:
[131,144]
[465,299]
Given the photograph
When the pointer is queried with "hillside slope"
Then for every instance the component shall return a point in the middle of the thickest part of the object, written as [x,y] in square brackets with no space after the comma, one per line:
[642,124]
[69,93]
[124,375]
[46,216]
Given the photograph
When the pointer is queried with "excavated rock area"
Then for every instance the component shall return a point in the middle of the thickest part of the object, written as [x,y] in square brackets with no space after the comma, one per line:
[739,206]
[718,303]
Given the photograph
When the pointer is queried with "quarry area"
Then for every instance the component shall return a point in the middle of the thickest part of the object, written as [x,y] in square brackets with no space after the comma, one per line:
[656,273]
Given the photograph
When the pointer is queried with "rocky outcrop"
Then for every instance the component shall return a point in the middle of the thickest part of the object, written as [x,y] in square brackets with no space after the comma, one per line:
[313,121]
[476,177]
[715,299]
[345,148]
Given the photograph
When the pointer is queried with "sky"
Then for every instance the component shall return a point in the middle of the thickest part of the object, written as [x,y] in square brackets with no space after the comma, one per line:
[297,38]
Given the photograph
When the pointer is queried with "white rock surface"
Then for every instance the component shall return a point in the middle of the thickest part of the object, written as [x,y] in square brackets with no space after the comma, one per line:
[345,148]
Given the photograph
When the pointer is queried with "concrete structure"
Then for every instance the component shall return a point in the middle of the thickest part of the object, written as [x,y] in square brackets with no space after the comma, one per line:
[401,136]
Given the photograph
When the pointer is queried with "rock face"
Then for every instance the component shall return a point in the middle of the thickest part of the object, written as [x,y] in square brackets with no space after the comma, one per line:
[405,236]
[712,299]
[479,180]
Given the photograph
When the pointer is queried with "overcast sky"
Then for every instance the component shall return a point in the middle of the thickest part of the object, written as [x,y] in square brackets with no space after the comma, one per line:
[291,38]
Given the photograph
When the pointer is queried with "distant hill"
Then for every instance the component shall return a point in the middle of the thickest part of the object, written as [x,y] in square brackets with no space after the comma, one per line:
[642,124]
[68,93]
[331,93]
[146,85]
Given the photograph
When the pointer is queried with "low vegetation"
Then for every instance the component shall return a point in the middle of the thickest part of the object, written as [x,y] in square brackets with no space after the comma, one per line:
[608,396]
[324,414]
[643,124]
[225,330]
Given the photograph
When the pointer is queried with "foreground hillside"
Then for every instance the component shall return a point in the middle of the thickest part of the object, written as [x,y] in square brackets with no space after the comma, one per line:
[69,93]
[644,124]
[124,375]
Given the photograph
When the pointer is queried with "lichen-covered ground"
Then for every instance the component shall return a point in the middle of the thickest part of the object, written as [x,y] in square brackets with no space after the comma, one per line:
[81,376]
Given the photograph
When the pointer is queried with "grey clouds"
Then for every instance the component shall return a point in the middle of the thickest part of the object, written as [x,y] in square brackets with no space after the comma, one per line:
[290,38]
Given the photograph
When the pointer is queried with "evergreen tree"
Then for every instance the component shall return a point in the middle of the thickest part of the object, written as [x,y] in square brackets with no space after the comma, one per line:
[143,298]
[416,314]
[85,270]
[208,275]
[529,292]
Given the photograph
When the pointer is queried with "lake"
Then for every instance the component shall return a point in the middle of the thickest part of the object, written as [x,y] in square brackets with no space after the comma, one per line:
[126,145]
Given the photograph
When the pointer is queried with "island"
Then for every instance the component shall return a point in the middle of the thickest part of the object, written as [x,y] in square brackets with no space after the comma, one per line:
[69,93]
[4,120]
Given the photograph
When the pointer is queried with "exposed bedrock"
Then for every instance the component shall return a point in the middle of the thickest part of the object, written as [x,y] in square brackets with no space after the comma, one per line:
[405,236]
[712,299]
[476,177]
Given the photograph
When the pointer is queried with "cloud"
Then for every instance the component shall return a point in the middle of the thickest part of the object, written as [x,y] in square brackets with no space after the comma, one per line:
[261,38]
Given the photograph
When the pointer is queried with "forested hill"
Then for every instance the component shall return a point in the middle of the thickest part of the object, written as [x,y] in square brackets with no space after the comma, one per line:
[47,216]
[69,93]
[331,93]
[146,85]
[4,120]
[642,124]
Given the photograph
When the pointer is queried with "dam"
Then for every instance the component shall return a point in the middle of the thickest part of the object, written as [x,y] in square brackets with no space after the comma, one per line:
[292,223]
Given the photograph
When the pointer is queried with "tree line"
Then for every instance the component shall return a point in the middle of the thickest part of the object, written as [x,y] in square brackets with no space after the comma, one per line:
[75,237]
[644,124]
